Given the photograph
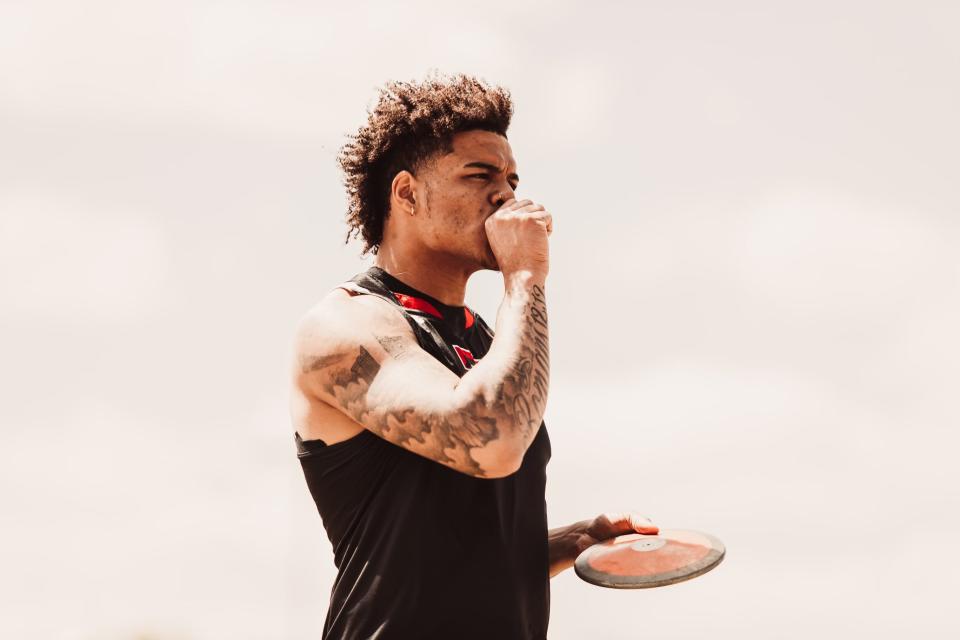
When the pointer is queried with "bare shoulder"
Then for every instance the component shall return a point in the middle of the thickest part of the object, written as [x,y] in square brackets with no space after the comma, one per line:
[340,323]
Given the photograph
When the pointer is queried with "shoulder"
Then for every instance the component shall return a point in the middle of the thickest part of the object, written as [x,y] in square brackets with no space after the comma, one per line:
[342,320]
[340,310]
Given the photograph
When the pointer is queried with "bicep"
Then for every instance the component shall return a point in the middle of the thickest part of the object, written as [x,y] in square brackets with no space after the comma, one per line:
[373,370]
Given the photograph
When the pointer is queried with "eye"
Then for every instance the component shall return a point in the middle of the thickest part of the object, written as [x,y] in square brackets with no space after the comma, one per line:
[482,176]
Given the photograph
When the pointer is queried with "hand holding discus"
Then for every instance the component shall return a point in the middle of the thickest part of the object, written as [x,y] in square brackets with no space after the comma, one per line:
[627,551]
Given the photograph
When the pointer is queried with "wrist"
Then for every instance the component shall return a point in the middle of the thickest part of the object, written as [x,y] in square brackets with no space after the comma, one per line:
[565,544]
[521,282]
[569,541]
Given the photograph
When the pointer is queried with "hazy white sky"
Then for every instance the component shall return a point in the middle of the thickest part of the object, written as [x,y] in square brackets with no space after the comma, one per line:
[755,290]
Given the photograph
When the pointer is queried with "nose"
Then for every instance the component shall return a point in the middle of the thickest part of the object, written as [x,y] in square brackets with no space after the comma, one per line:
[497,198]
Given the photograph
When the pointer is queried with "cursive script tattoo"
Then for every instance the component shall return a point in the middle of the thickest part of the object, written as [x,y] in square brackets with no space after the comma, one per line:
[529,379]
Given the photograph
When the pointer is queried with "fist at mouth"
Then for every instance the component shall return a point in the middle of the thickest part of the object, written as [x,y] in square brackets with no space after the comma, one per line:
[517,234]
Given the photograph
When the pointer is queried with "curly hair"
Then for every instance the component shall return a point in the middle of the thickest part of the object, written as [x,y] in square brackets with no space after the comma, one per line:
[411,122]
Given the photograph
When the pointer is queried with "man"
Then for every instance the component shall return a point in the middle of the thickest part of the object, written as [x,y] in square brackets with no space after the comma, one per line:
[419,432]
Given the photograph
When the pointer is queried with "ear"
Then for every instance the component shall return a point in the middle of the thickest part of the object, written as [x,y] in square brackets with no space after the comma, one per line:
[403,193]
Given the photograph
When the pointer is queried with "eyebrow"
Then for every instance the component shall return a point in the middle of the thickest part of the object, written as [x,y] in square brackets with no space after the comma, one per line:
[491,168]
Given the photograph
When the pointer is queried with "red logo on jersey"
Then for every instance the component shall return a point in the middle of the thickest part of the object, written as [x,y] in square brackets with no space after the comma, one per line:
[465,357]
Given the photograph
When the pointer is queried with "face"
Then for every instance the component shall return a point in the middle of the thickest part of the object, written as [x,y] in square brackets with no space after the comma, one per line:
[458,191]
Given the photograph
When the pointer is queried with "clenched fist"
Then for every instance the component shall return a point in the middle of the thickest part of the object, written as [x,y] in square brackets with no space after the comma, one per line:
[518,233]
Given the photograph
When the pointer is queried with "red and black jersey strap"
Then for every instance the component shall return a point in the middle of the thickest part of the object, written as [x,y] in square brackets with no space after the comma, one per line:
[417,304]
[412,302]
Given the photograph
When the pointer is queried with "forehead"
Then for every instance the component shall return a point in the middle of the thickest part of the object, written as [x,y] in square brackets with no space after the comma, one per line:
[481,146]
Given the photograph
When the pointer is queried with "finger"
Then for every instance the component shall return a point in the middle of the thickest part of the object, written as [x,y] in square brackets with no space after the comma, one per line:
[642,524]
[530,208]
[517,204]
[549,221]
[539,214]
[632,522]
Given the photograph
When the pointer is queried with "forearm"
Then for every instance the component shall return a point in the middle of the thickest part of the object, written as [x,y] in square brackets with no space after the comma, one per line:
[512,380]
[565,544]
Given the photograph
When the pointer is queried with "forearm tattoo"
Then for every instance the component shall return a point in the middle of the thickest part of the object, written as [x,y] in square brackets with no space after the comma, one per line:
[525,386]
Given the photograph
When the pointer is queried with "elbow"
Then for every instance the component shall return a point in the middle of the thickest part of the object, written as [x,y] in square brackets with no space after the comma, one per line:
[504,470]
[497,460]
[504,440]
[513,449]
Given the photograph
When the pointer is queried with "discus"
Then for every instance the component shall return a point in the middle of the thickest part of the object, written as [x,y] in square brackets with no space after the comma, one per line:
[637,561]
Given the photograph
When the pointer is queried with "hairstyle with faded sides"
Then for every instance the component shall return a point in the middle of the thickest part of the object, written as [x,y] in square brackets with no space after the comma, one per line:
[410,123]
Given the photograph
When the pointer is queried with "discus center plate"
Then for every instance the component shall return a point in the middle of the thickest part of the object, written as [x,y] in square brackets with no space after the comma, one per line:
[651,543]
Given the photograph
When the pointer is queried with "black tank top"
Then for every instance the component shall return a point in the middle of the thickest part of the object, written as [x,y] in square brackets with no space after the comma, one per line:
[423,551]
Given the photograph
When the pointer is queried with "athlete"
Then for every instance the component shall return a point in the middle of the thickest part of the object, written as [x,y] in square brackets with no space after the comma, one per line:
[419,429]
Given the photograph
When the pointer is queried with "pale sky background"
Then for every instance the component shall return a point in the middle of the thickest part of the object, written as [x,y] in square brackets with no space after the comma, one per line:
[754,297]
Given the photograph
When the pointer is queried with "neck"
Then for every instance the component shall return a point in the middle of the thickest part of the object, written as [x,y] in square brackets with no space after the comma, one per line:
[437,275]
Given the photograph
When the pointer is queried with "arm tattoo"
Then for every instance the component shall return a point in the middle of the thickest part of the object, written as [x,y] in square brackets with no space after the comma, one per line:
[527,383]
[447,439]
[309,365]
[392,345]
